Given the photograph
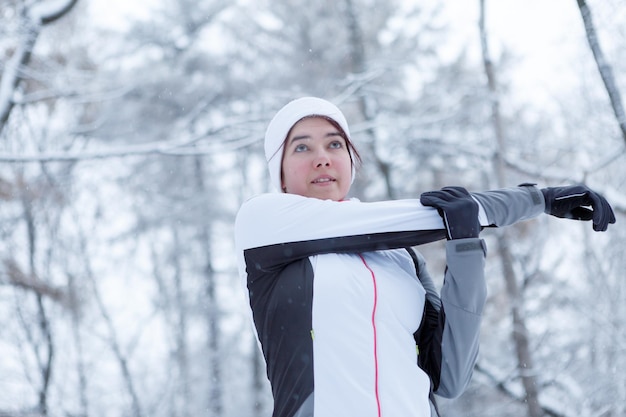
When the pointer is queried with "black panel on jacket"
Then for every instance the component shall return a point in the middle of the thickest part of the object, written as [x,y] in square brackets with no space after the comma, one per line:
[281,306]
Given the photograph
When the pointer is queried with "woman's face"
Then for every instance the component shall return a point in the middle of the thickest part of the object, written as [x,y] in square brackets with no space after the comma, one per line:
[316,162]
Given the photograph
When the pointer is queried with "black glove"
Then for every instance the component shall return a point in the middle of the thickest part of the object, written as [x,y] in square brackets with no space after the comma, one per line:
[458,210]
[571,202]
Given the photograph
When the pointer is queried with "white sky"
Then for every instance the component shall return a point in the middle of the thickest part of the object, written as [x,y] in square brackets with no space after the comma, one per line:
[544,35]
[115,13]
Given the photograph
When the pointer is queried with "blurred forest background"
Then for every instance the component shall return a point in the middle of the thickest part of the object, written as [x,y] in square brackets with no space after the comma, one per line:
[126,149]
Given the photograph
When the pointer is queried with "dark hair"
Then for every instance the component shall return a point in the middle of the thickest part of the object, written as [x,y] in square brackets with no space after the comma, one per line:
[354,152]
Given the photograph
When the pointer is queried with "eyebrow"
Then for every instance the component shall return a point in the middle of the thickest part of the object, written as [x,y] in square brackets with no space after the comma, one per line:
[301,137]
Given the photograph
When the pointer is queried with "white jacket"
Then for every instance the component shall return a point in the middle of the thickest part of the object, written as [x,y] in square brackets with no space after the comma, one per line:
[336,301]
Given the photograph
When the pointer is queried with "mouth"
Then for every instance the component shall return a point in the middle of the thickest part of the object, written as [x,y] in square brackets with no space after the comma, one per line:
[323,180]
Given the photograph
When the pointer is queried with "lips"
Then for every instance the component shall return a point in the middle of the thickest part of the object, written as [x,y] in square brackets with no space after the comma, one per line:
[323,180]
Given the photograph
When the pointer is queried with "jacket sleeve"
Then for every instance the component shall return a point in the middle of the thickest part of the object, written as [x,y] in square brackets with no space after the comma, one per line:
[448,338]
[463,298]
[272,230]
[304,226]
[507,206]
[277,218]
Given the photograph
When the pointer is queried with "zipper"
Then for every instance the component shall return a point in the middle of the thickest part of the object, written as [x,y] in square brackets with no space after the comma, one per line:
[376,390]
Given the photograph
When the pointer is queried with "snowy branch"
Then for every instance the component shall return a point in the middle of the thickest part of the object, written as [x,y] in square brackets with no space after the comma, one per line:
[50,11]
[38,15]
[173,148]
[12,76]
[606,72]
[18,278]
[504,387]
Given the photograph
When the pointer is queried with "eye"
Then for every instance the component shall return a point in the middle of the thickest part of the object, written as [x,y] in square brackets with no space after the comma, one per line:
[300,148]
[335,144]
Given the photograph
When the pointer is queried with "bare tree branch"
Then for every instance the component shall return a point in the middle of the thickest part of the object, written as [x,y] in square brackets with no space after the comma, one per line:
[504,387]
[12,76]
[50,11]
[606,72]
[167,148]
[39,15]
[18,278]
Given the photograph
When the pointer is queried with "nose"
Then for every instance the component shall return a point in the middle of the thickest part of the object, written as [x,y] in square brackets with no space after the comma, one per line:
[322,159]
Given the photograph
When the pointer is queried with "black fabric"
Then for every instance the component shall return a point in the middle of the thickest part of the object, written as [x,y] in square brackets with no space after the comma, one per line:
[268,258]
[428,340]
[458,210]
[282,311]
[572,202]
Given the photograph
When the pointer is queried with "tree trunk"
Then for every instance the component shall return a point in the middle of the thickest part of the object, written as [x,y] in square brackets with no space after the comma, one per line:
[179,311]
[78,342]
[113,340]
[359,66]
[216,406]
[519,334]
[44,354]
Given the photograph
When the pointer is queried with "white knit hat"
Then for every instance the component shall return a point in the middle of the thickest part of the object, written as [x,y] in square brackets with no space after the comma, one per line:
[284,120]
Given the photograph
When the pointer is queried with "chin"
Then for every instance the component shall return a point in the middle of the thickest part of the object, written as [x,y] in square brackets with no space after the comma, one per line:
[328,196]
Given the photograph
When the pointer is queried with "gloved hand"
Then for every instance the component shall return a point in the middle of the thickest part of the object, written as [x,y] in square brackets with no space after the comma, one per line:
[458,210]
[571,202]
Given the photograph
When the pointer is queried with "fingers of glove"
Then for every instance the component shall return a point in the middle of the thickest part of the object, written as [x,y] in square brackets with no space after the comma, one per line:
[572,203]
[600,217]
[448,197]
[603,214]
[439,197]
[600,227]
[612,219]
[457,192]
[432,199]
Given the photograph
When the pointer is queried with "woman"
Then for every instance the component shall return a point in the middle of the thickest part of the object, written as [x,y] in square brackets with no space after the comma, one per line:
[345,312]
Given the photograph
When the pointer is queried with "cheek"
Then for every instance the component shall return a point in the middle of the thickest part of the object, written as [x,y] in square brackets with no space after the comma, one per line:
[346,166]
[292,170]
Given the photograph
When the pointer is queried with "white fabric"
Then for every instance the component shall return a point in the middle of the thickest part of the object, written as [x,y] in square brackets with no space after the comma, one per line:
[348,218]
[363,345]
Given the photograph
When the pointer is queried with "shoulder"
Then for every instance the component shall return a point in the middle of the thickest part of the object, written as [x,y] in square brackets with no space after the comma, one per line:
[257,205]
[281,203]
[274,218]
[272,200]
